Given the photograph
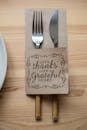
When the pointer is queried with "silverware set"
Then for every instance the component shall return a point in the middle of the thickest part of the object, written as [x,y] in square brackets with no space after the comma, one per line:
[37,39]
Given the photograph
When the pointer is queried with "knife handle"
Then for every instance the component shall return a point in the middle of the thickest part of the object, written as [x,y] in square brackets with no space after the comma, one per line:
[38,107]
[55,108]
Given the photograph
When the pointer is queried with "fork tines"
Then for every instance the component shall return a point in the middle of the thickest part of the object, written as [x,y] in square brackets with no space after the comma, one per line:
[37,22]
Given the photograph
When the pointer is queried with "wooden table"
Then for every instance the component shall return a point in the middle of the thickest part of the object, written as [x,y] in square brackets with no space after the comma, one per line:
[17,109]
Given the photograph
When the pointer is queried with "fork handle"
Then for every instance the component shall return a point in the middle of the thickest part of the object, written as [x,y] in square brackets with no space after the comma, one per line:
[55,108]
[38,107]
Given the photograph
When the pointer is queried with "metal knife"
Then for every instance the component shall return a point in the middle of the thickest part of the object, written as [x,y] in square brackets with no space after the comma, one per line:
[53,29]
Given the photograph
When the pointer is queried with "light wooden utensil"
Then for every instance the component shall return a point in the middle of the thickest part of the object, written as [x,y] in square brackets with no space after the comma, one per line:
[55,108]
[53,28]
[37,38]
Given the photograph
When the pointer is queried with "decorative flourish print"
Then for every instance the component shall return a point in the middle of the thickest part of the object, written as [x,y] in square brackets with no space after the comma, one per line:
[46,71]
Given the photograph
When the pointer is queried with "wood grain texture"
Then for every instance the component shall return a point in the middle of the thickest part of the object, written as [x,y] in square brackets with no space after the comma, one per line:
[16,109]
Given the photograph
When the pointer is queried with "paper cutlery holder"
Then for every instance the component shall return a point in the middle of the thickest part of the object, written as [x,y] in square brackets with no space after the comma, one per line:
[47,71]
[47,67]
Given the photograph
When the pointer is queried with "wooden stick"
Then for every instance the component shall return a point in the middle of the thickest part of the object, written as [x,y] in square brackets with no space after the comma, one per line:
[55,108]
[38,108]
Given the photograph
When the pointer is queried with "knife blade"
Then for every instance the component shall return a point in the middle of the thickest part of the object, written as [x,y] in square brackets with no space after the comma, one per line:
[53,29]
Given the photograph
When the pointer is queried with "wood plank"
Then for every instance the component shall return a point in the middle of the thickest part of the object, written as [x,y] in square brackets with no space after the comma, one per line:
[16,109]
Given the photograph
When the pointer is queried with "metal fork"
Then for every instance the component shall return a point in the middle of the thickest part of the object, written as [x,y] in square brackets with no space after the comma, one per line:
[37,29]
[37,38]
